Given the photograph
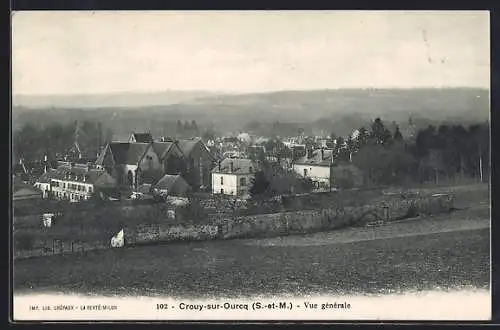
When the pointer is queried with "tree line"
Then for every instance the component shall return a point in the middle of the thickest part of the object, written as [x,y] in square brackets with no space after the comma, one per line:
[437,154]
[33,142]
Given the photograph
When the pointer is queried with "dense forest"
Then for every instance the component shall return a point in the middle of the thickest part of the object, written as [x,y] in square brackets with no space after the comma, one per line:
[447,152]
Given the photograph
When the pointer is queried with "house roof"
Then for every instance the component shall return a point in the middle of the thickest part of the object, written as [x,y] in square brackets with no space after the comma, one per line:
[141,137]
[187,146]
[76,173]
[18,186]
[170,182]
[45,178]
[144,188]
[316,158]
[25,191]
[127,153]
[162,148]
[240,166]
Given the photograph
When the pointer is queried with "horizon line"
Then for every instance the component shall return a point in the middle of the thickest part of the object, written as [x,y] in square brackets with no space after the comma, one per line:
[229,92]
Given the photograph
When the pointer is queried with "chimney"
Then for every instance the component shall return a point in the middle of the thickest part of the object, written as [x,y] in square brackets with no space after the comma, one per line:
[231,164]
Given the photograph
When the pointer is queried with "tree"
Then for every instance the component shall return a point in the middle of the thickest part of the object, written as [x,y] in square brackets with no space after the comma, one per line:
[179,127]
[350,146]
[397,135]
[194,127]
[209,134]
[478,150]
[380,134]
[260,184]
[362,138]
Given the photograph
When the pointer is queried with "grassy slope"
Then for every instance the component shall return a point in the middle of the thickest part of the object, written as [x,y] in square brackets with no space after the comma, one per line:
[233,269]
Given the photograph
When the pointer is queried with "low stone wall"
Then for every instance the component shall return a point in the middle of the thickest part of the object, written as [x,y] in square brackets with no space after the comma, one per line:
[285,223]
[386,209]
[166,233]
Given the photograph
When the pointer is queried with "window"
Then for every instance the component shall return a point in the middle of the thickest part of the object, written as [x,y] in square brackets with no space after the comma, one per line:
[305,172]
[64,185]
[250,169]
[222,191]
[243,181]
[222,180]
[90,189]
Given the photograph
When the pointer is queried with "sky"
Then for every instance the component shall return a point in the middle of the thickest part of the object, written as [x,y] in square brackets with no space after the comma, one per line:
[102,52]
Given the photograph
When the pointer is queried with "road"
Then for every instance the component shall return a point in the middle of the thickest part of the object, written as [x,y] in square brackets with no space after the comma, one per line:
[443,252]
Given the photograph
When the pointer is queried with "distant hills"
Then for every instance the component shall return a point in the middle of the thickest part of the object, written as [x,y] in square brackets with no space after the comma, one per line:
[119,99]
[151,111]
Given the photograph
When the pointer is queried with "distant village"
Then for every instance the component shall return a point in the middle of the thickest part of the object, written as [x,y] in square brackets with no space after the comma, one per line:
[144,166]
[244,165]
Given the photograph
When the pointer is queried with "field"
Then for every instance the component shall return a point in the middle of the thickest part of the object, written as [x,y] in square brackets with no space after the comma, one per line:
[442,252]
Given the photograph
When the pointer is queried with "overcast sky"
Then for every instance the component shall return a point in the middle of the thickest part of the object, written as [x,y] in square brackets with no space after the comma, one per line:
[100,52]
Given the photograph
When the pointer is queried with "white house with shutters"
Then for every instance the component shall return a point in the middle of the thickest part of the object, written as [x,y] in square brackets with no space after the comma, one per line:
[316,165]
[233,176]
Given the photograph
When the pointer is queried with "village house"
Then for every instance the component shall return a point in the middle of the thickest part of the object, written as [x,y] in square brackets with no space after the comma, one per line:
[136,163]
[233,177]
[316,165]
[199,163]
[140,138]
[170,156]
[131,163]
[74,182]
[24,193]
[171,185]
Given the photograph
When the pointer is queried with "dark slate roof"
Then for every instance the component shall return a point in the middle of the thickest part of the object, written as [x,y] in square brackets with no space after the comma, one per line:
[76,173]
[316,158]
[240,166]
[127,153]
[162,148]
[143,137]
[187,146]
[172,183]
[26,188]
[45,178]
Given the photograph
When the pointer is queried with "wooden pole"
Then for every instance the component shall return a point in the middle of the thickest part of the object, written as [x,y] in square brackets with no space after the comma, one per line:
[480,165]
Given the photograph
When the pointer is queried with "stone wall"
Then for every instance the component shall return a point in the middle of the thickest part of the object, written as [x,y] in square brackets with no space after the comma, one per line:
[395,208]
[385,209]
[166,233]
